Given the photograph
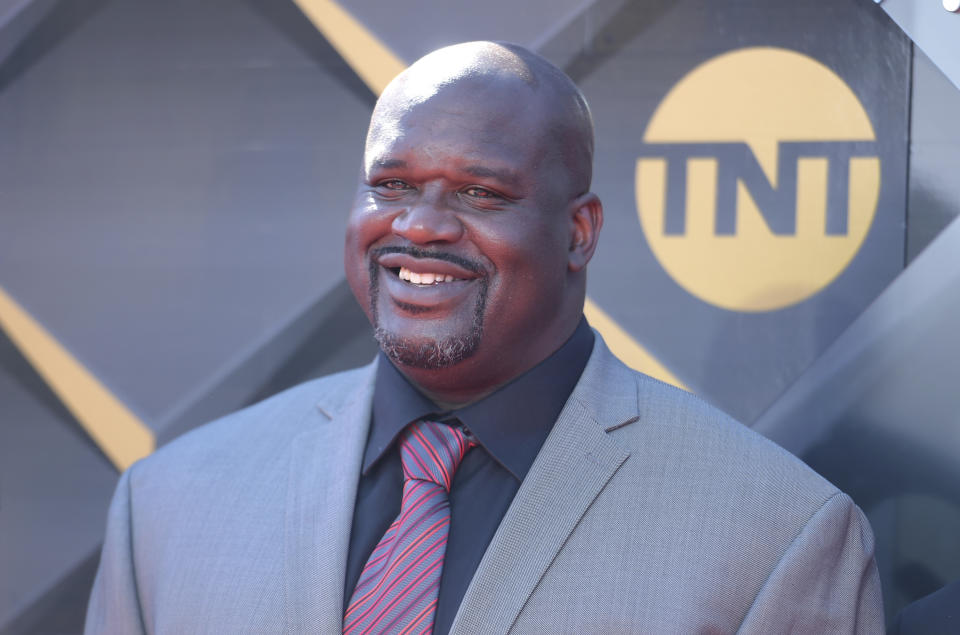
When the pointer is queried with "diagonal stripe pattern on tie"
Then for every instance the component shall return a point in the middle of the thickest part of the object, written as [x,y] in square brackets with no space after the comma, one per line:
[397,589]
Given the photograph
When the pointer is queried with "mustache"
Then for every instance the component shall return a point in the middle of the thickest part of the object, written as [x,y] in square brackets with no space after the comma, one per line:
[417,252]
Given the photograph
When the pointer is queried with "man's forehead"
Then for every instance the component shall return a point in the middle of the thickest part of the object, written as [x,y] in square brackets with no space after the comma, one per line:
[506,96]
[484,95]
[473,73]
[461,63]
[490,112]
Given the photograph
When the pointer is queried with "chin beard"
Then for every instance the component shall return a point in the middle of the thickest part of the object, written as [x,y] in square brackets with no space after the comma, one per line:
[424,352]
[428,354]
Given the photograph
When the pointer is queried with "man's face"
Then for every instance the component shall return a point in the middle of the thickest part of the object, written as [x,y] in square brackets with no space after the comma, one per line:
[458,239]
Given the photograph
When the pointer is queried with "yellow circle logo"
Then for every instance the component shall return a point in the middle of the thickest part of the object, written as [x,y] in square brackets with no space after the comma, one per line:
[758,179]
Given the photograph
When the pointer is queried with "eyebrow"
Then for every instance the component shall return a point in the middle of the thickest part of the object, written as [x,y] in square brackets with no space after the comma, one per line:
[389,164]
[481,171]
[506,176]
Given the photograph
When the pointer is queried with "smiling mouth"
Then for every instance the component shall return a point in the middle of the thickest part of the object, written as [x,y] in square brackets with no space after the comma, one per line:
[423,279]
[446,292]
[415,268]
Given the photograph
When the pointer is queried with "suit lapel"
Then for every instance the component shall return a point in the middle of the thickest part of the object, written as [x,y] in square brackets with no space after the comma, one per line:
[576,463]
[323,478]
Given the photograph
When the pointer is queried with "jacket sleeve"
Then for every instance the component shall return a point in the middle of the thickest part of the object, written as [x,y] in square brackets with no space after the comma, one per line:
[114,603]
[826,581]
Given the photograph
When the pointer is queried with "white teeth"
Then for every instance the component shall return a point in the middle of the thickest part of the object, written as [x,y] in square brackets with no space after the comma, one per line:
[424,278]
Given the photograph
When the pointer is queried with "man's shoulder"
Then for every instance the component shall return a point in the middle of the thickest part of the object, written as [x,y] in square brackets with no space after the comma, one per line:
[704,426]
[713,519]
[688,435]
[259,432]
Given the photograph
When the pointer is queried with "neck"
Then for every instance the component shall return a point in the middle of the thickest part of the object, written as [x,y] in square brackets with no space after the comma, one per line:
[481,374]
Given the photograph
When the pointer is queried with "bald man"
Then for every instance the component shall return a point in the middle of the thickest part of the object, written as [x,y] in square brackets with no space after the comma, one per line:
[495,469]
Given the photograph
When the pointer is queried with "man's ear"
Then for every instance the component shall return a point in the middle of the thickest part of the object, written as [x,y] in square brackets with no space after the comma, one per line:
[585,222]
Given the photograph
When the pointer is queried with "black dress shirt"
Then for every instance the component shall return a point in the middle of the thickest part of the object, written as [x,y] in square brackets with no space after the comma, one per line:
[510,425]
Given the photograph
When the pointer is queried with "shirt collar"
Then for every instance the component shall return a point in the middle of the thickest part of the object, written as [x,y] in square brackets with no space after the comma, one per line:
[511,423]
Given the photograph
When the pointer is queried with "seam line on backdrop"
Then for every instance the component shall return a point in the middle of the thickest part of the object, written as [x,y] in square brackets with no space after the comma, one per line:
[114,428]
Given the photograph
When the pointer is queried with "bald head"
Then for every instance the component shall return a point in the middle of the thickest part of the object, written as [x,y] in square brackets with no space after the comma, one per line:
[504,77]
[473,223]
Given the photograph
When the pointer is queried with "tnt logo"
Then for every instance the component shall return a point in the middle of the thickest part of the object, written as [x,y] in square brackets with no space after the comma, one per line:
[758,179]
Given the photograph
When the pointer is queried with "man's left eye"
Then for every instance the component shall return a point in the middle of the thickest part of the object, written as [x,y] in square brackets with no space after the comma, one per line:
[481,193]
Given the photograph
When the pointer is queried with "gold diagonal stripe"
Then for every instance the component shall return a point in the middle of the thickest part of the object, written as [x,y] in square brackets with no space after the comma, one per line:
[626,348]
[118,432]
[373,62]
[376,65]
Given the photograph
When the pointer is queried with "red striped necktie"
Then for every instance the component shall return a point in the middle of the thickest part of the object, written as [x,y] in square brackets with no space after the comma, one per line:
[397,590]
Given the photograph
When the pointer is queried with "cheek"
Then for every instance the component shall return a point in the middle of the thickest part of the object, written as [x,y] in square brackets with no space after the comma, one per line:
[366,218]
[367,224]
[357,276]
[364,228]
[532,262]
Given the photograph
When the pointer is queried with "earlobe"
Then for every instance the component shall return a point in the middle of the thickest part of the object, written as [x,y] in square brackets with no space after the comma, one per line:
[586,219]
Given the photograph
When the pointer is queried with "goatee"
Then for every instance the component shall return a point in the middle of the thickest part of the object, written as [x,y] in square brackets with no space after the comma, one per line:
[423,352]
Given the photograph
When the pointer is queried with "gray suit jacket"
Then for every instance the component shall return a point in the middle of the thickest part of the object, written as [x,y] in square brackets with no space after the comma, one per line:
[646,511]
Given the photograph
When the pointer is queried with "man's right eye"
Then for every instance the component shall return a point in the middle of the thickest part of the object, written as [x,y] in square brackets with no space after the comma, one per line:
[395,185]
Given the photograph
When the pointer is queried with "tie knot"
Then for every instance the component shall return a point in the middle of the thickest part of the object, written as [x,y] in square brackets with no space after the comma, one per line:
[432,451]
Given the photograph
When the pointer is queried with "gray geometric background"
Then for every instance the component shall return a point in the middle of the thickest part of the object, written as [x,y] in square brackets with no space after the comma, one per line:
[174,181]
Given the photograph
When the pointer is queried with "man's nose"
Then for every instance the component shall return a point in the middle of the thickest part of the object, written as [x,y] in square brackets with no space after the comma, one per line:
[428,220]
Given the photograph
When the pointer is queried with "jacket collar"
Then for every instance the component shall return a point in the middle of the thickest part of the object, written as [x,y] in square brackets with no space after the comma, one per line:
[578,460]
[322,486]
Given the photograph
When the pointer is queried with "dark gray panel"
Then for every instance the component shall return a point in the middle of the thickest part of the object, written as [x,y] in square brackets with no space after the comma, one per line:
[343,340]
[879,415]
[54,488]
[934,154]
[11,8]
[565,43]
[174,182]
[18,18]
[895,369]
[330,335]
[416,27]
[607,29]
[63,608]
[934,30]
